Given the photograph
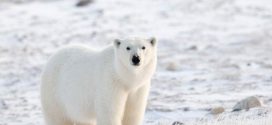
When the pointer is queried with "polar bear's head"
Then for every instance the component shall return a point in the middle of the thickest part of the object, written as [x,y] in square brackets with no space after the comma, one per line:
[135,53]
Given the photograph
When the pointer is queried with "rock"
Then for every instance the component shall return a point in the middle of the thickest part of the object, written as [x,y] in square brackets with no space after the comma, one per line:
[217,110]
[3,105]
[248,103]
[177,123]
[186,109]
[82,3]
[172,66]
[194,47]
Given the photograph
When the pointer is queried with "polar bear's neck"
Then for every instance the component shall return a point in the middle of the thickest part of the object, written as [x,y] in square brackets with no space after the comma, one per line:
[133,79]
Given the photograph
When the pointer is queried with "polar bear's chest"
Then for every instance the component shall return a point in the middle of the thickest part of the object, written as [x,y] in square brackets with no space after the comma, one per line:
[76,91]
[80,107]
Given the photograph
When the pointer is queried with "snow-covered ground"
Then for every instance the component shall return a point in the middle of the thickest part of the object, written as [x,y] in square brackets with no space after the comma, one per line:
[211,52]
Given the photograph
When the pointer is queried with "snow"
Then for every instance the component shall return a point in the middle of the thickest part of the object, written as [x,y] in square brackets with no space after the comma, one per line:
[220,49]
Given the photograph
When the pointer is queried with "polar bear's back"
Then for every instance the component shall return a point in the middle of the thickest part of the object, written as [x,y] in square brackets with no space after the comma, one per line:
[74,55]
[69,55]
[72,72]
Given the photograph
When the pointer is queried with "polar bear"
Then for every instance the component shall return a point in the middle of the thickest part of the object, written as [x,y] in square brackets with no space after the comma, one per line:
[110,86]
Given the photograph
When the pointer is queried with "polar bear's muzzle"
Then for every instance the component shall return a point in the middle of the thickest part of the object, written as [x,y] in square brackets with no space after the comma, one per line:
[136,60]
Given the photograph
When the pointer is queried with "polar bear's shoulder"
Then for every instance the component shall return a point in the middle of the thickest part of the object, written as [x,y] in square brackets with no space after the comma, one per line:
[76,48]
[83,51]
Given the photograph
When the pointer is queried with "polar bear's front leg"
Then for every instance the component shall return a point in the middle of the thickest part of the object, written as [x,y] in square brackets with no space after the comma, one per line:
[135,106]
[110,103]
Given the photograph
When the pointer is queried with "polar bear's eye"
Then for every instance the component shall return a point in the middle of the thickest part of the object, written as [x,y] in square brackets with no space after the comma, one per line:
[128,48]
[143,48]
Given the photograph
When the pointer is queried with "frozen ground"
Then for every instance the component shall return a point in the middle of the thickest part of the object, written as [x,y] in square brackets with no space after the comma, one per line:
[211,52]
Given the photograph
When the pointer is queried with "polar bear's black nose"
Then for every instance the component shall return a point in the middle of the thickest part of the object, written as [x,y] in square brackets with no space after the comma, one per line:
[136,60]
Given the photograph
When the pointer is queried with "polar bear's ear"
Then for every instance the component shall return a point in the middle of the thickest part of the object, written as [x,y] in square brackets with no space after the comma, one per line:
[153,41]
[117,43]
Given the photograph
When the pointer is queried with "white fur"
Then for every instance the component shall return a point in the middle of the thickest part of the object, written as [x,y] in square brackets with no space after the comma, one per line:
[86,87]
